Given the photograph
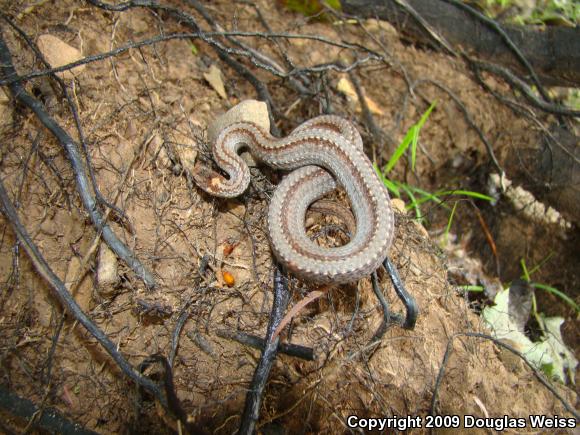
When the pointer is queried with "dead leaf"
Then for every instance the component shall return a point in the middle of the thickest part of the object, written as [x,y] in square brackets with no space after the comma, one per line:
[345,86]
[229,248]
[59,53]
[67,396]
[214,78]
[311,297]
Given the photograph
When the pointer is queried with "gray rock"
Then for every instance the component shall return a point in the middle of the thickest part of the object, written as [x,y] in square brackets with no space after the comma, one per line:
[248,110]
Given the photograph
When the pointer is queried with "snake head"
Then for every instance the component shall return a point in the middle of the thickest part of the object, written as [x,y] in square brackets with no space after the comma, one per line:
[207,179]
[217,185]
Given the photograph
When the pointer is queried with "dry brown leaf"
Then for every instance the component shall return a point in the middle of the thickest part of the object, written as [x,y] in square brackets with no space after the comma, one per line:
[345,86]
[214,78]
[59,53]
[228,248]
[311,297]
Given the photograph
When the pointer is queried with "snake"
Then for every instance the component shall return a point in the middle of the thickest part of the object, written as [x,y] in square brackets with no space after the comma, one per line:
[322,154]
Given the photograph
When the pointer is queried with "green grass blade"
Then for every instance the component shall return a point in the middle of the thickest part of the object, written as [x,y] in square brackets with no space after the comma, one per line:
[413,201]
[426,115]
[428,196]
[559,294]
[411,138]
[449,221]
[526,274]
[414,144]
[399,151]
[392,187]
[541,263]
[388,183]
[472,288]
[469,193]
[417,130]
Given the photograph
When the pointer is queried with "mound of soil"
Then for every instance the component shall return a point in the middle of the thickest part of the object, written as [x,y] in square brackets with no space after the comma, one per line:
[143,113]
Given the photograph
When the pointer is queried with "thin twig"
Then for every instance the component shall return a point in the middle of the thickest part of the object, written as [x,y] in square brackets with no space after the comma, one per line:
[66,298]
[73,109]
[309,298]
[173,403]
[379,135]
[537,373]
[18,92]
[527,92]
[183,316]
[222,51]
[468,118]
[428,28]
[504,36]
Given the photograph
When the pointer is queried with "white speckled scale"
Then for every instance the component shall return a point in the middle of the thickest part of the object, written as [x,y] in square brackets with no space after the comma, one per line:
[323,152]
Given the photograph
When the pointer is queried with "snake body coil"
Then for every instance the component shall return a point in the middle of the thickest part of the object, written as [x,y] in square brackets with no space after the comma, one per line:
[324,152]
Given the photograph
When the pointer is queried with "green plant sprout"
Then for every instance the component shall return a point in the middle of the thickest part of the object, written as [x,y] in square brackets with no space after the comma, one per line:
[526,275]
[417,196]
[411,138]
[472,288]
[449,221]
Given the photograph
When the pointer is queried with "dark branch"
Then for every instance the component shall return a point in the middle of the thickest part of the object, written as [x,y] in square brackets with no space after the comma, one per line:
[302,352]
[66,298]
[255,393]
[553,52]
[49,420]
[17,90]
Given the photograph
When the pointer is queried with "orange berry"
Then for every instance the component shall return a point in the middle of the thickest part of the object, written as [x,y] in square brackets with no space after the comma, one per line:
[228,279]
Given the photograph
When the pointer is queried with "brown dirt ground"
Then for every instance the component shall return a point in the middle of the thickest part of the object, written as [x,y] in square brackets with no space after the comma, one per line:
[144,113]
